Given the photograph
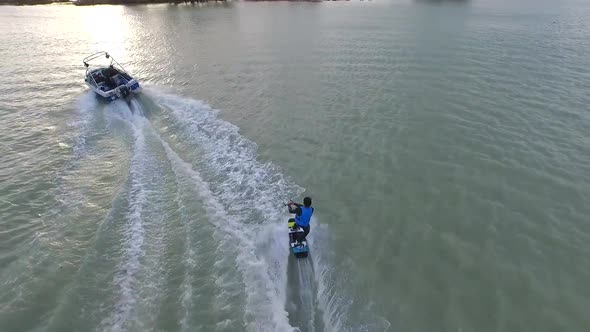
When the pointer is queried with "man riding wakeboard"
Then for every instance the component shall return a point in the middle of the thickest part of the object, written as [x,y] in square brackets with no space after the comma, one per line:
[303,213]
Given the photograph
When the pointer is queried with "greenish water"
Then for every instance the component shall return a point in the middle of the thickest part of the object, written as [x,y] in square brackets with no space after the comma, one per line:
[445,145]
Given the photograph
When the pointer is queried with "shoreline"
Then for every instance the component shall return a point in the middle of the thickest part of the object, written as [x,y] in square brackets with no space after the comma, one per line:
[34,2]
[131,2]
[99,2]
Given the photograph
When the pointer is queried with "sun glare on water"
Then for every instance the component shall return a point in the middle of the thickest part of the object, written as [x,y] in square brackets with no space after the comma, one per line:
[107,29]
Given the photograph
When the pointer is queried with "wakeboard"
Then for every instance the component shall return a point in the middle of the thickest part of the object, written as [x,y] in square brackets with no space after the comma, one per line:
[300,250]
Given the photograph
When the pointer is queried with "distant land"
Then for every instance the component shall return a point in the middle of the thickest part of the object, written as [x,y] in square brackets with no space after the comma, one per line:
[122,2]
[30,2]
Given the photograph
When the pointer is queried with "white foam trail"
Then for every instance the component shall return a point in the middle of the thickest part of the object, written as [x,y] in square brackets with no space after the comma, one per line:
[329,302]
[81,127]
[251,266]
[133,251]
[307,289]
[244,182]
[334,304]
[179,168]
[215,212]
[190,266]
[87,107]
[244,204]
[187,293]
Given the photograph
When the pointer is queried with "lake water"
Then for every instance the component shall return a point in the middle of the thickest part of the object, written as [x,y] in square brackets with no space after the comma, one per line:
[445,145]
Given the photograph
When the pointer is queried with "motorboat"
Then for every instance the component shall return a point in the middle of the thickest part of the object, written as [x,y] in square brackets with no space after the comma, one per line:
[108,79]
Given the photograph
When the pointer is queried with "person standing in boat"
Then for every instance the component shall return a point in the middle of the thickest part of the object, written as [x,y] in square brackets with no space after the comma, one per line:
[109,75]
[303,213]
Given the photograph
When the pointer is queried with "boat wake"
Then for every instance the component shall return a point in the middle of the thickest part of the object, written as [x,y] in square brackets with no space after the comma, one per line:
[195,235]
[243,199]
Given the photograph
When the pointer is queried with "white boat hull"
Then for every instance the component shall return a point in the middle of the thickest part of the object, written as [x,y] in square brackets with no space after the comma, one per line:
[109,80]
[116,93]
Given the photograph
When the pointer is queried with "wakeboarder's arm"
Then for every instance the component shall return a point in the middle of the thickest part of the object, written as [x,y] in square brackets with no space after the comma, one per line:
[296,210]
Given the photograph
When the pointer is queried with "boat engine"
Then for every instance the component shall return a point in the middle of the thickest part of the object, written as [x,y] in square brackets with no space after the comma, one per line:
[124,90]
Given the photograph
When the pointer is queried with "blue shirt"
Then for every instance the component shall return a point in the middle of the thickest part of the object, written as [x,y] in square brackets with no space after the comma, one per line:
[304,218]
